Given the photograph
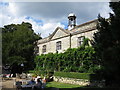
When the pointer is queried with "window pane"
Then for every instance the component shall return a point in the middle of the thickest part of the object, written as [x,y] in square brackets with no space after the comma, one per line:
[44,49]
[36,50]
[58,45]
[80,40]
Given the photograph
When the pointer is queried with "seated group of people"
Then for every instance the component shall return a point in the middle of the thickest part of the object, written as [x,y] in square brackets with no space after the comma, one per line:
[37,83]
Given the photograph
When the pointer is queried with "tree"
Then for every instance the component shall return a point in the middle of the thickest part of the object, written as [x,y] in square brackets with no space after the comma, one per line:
[18,42]
[107,45]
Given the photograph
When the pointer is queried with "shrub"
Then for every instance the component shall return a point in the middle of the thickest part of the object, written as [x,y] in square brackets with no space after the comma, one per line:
[31,71]
[94,68]
[72,60]
[82,69]
[73,75]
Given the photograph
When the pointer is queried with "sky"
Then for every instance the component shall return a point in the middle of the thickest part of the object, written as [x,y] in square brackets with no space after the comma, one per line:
[45,17]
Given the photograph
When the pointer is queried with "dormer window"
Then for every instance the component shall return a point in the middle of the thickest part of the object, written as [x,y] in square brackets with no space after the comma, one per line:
[58,45]
[44,49]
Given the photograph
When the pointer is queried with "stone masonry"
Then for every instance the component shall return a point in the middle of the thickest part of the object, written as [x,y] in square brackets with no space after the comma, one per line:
[72,81]
[68,38]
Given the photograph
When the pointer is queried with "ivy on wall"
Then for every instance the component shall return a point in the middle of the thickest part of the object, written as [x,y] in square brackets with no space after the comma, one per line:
[80,59]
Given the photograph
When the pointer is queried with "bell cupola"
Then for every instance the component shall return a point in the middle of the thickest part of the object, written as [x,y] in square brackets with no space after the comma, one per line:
[71,21]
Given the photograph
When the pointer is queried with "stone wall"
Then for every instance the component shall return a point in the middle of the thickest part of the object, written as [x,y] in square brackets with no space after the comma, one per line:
[74,38]
[81,82]
[51,45]
[69,39]
[71,80]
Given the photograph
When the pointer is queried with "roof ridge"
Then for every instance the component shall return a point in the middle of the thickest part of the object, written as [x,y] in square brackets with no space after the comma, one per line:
[84,24]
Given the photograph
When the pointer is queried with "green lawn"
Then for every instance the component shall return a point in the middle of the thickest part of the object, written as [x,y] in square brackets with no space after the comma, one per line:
[61,85]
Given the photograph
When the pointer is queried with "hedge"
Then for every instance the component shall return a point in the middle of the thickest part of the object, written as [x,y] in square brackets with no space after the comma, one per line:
[73,75]
[31,71]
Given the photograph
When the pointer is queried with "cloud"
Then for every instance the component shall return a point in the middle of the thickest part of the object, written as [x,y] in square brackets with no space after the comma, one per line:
[45,17]
[83,10]
[48,28]
[105,11]
[4,4]
[38,21]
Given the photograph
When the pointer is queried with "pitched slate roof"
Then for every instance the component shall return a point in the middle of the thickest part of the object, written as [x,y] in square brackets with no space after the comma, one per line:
[76,30]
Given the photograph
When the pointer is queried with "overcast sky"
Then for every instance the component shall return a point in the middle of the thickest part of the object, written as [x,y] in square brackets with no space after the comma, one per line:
[45,17]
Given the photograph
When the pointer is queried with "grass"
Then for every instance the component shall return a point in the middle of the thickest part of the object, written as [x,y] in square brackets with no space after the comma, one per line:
[61,85]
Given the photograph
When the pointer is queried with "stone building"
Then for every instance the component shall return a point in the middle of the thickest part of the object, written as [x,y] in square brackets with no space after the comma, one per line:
[62,39]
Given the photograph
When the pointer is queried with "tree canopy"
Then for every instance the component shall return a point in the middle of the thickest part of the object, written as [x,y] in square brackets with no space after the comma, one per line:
[18,43]
[107,45]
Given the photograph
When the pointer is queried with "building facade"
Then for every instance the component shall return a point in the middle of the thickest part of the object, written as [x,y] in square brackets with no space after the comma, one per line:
[62,39]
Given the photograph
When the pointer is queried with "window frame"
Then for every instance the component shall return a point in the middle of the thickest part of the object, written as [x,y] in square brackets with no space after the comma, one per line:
[58,45]
[44,48]
[80,40]
[36,50]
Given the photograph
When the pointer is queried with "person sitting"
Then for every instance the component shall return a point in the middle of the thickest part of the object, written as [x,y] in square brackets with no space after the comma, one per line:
[18,85]
[32,82]
[37,78]
[43,83]
[38,85]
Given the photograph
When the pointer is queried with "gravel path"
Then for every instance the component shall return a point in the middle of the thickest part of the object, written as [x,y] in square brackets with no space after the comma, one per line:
[8,83]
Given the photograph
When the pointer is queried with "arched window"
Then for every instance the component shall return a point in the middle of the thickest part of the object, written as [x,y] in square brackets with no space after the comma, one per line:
[44,49]
[58,45]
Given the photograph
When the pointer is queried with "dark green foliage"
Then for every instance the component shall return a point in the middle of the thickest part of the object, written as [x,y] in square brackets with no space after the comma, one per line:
[73,75]
[107,46]
[18,42]
[72,60]
[45,64]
